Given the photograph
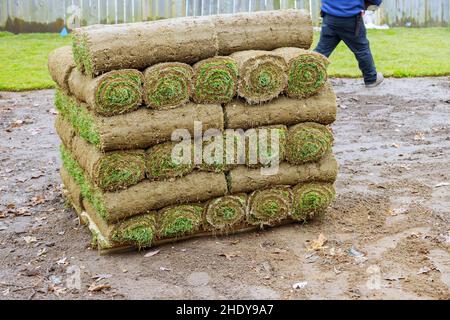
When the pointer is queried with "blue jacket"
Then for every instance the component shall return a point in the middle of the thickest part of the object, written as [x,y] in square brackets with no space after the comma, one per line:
[345,8]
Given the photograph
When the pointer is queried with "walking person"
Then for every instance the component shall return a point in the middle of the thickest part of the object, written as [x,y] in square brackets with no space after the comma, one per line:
[343,21]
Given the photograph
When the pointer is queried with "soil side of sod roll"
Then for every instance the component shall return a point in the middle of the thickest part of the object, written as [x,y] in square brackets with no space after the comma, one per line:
[140,45]
[140,129]
[98,50]
[244,180]
[110,171]
[60,66]
[263,30]
[320,108]
[152,195]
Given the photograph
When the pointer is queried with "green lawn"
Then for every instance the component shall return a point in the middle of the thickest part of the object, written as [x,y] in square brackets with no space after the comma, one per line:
[398,52]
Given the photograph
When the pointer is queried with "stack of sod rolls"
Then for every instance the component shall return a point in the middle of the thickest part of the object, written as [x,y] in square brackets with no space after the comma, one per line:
[127,94]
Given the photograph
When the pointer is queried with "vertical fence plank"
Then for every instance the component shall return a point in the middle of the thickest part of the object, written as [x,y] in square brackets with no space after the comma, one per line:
[4,13]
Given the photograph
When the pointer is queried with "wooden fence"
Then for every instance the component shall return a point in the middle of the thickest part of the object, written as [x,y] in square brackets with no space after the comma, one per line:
[52,15]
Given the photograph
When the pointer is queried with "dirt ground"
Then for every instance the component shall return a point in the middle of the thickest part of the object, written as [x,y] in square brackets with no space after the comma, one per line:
[386,236]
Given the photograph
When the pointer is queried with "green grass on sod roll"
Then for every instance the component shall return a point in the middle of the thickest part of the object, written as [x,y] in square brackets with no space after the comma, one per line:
[119,92]
[265,152]
[311,199]
[308,142]
[88,191]
[81,54]
[307,75]
[120,170]
[215,80]
[223,214]
[270,206]
[80,118]
[168,85]
[161,165]
[179,221]
[139,231]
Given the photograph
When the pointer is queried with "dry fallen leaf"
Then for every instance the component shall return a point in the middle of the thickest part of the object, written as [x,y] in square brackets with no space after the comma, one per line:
[22,212]
[420,136]
[425,270]
[2,215]
[42,252]
[29,239]
[318,244]
[278,251]
[164,269]
[40,199]
[151,254]
[99,277]
[94,287]
[229,255]
[442,184]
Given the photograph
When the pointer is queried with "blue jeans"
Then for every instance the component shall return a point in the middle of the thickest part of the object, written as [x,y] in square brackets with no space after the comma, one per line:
[335,29]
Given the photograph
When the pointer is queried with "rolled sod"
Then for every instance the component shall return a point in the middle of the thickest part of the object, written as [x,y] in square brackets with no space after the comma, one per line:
[245,180]
[110,171]
[307,71]
[161,165]
[138,231]
[168,85]
[320,108]
[60,66]
[140,129]
[146,195]
[225,214]
[262,75]
[98,49]
[179,221]
[77,114]
[113,93]
[88,190]
[215,80]
[259,149]
[100,230]
[270,206]
[140,45]
[308,142]
[214,157]
[312,198]
[263,30]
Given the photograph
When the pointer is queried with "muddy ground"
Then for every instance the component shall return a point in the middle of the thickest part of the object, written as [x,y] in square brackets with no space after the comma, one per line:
[386,236]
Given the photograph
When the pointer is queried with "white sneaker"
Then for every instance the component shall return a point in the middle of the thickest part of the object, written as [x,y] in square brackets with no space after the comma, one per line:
[380,79]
